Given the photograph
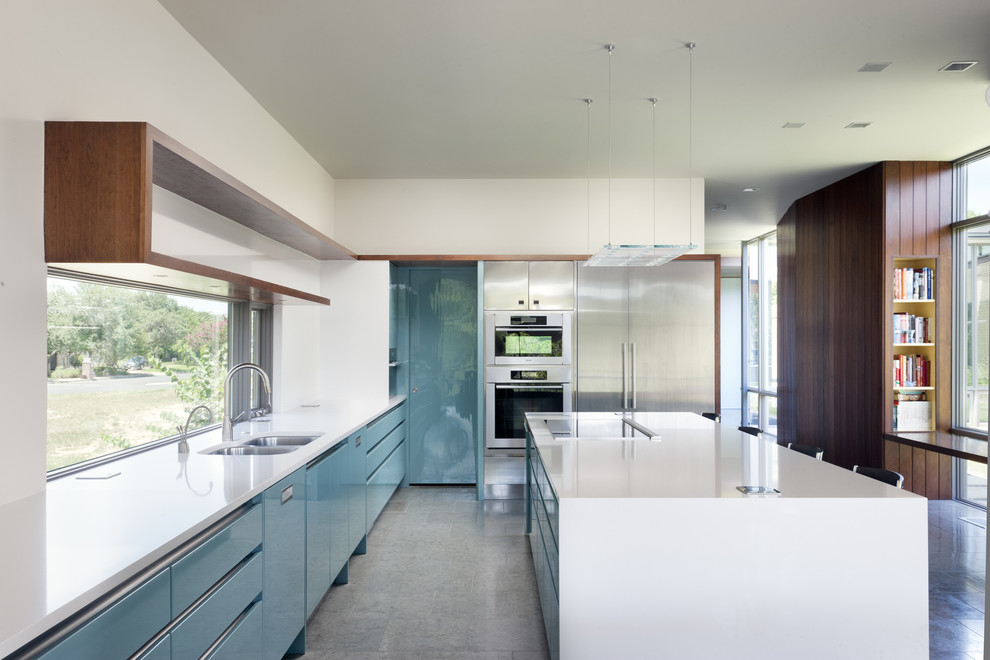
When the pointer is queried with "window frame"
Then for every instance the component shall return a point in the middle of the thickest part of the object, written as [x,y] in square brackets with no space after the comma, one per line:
[239,315]
[960,318]
[763,389]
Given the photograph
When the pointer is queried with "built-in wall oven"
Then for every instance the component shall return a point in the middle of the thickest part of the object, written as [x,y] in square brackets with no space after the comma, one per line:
[513,391]
[538,338]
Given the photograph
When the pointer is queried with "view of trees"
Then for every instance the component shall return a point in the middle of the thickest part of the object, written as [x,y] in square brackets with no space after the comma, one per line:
[109,325]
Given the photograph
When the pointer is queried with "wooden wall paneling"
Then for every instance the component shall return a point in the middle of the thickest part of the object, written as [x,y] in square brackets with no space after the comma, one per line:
[891,455]
[931,475]
[944,477]
[919,471]
[918,185]
[786,326]
[905,466]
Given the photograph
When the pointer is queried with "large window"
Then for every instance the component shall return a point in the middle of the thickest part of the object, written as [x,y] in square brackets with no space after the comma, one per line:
[759,274]
[971,303]
[126,365]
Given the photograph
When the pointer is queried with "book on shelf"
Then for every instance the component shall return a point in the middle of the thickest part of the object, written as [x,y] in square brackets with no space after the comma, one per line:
[912,371]
[914,283]
[911,329]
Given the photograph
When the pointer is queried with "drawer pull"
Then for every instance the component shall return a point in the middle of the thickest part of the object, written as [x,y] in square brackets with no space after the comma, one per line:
[286,493]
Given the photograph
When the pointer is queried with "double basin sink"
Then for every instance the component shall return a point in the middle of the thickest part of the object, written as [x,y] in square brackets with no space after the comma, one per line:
[264,445]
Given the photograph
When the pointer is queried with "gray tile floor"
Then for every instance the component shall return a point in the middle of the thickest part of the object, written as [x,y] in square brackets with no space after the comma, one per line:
[447,577]
[956,581]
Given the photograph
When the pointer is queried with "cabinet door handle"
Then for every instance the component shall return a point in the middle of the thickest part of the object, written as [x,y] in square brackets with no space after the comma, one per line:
[625,380]
[286,493]
[632,372]
[357,441]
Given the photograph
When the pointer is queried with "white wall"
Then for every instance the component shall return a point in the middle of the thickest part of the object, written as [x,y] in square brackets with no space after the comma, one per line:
[354,330]
[113,60]
[514,216]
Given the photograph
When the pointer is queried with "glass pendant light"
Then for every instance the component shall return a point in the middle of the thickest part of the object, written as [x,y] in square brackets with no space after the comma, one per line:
[656,254]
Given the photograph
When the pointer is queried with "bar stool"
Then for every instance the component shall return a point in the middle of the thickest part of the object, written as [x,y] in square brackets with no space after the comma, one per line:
[715,417]
[887,476]
[752,430]
[807,450]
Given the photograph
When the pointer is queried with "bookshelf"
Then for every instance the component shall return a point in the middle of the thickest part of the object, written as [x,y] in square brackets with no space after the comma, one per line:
[913,323]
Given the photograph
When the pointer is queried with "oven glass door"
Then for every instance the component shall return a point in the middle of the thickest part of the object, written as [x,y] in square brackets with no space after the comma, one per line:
[513,401]
[529,342]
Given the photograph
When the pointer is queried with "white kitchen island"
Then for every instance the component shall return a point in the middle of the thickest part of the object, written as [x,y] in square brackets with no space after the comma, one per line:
[644,547]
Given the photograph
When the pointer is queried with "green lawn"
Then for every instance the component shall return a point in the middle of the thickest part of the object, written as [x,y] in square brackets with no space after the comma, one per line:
[81,426]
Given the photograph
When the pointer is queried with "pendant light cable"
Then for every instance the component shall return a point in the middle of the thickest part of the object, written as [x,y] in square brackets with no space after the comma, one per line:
[654,102]
[609,48]
[690,46]
[587,167]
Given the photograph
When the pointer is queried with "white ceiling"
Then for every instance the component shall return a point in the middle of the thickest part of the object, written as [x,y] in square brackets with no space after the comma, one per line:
[472,89]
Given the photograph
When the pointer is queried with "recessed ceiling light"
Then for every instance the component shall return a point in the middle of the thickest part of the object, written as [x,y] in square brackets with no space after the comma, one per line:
[859,124]
[793,124]
[750,189]
[719,207]
[958,66]
[159,275]
[873,67]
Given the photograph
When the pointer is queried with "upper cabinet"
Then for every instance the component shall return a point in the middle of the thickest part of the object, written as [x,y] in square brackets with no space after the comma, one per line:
[99,178]
[529,285]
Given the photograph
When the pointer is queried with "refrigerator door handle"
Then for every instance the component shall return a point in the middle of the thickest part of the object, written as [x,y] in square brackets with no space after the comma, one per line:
[625,380]
[632,372]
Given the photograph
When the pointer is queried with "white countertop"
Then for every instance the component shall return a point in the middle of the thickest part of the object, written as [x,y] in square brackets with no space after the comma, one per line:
[690,457]
[68,546]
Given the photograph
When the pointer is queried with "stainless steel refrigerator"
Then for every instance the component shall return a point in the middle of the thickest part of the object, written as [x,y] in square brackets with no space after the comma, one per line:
[647,337]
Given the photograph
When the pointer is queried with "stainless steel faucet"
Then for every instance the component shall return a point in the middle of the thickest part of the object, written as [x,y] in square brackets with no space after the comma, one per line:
[183,445]
[228,422]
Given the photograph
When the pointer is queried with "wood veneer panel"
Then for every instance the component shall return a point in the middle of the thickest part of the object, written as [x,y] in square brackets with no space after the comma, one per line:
[906,466]
[919,471]
[97,197]
[891,455]
[931,475]
[945,478]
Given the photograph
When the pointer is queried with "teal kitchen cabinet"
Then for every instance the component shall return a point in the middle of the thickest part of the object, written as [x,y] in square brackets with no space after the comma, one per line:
[443,416]
[121,629]
[245,638]
[326,523]
[356,487]
[386,459]
[284,611]
[542,526]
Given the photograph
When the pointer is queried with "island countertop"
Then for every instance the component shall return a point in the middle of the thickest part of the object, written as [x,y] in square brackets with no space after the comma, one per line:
[681,455]
[644,547]
[92,531]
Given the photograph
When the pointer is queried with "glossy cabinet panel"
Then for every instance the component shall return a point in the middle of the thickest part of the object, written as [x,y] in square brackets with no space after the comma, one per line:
[206,624]
[121,629]
[326,525]
[244,641]
[284,613]
[160,651]
[207,564]
[356,487]
[444,371]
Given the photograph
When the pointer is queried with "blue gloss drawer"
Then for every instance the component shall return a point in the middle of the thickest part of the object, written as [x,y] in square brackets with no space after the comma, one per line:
[121,629]
[243,642]
[384,448]
[379,428]
[205,624]
[199,570]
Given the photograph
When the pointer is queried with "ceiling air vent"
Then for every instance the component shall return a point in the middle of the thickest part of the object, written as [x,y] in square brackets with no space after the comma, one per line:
[958,66]
[859,124]
[873,67]
[793,124]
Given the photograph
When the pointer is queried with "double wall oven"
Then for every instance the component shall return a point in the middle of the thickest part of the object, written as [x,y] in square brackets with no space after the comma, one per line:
[528,357]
